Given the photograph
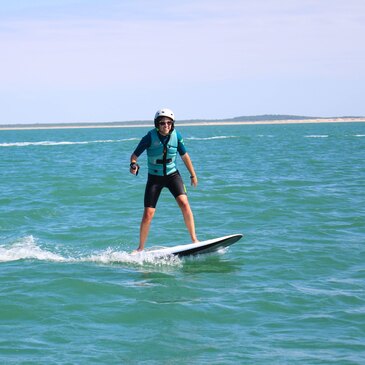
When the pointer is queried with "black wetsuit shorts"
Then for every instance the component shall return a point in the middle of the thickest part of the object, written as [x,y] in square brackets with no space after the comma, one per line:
[156,183]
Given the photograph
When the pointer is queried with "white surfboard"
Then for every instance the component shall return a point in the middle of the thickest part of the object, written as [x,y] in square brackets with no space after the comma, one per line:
[207,246]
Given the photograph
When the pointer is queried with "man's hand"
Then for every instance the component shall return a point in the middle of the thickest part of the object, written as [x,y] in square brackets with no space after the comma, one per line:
[134,168]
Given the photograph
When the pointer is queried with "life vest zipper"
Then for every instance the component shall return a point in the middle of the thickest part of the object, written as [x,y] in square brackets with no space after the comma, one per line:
[164,158]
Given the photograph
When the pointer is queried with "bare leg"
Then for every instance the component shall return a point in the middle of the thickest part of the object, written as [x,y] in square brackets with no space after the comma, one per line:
[145,226]
[184,205]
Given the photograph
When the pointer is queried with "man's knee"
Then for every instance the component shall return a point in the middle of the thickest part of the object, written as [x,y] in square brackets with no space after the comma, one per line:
[148,214]
[183,202]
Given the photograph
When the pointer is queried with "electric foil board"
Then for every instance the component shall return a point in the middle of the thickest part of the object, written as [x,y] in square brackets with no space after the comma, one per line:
[198,248]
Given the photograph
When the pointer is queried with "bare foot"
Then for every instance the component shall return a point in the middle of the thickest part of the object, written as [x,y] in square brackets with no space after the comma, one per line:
[134,252]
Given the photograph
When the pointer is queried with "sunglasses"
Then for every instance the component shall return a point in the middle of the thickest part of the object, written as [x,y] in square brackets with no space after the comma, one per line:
[163,123]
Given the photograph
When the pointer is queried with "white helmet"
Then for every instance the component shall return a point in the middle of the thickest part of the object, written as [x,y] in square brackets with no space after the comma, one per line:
[164,112]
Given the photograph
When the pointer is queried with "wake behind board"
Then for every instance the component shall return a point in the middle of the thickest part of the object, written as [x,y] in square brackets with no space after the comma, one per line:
[202,247]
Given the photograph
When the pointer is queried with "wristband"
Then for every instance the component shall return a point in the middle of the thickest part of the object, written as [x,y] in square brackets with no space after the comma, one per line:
[192,177]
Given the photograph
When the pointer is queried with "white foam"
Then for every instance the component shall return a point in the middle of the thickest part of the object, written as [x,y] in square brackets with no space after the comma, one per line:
[209,138]
[317,136]
[111,256]
[63,143]
[26,248]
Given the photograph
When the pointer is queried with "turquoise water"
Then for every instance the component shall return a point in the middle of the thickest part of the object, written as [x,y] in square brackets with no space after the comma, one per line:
[291,292]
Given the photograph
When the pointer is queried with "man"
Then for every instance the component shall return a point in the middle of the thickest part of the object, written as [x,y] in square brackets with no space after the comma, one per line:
[163,143]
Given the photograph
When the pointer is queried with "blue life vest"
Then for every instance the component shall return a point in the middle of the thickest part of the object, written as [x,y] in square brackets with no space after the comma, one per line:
[161,158]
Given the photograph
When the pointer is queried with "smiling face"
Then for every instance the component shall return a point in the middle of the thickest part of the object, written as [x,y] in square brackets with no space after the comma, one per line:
[164,126]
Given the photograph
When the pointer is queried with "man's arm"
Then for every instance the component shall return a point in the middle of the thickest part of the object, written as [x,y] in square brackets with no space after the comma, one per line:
[190,167]
[134,166]
[142,146]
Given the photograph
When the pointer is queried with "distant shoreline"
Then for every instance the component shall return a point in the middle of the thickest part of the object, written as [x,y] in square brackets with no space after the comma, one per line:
[182,124]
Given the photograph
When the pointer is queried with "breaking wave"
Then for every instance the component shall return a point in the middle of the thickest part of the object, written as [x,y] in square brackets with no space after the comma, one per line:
[63,143]
[209,138]
[317,136]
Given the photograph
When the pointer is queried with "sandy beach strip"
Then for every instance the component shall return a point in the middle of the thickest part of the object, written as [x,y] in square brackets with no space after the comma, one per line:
[182,124]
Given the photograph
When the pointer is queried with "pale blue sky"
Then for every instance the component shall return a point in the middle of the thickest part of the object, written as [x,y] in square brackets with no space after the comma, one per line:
[108,60]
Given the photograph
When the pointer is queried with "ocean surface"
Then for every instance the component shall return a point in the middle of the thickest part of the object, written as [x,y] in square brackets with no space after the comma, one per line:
[292,291]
